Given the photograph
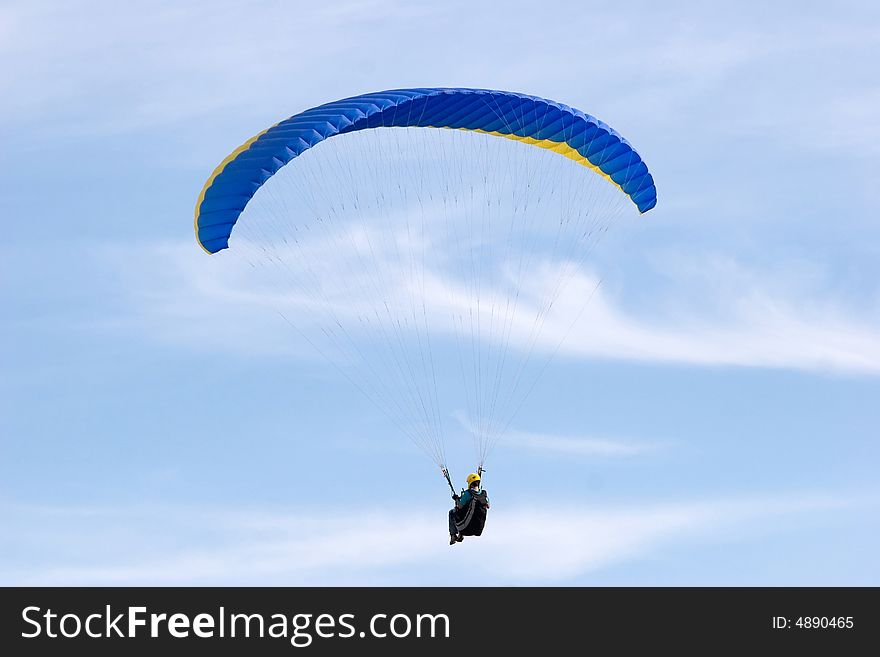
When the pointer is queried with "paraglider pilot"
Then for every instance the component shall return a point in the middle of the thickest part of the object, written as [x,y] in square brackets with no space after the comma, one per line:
[469,515]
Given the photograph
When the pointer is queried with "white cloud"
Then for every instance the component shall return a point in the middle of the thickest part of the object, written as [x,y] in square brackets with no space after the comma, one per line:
[715,312]
[101,68]
[746,327]
[105,68]
[576,445]
[162,546]
[582,446]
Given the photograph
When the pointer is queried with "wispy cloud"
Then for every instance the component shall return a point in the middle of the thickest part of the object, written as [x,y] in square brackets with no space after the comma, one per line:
[716,312]
[210,546]
[191,61]
[122,70]
[577,445]
[581,446]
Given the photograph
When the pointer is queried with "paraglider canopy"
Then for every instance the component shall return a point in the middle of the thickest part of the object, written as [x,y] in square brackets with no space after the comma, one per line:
[427,242]
[535,121]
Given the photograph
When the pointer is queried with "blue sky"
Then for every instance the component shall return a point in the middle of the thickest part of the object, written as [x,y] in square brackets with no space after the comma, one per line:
[712,420]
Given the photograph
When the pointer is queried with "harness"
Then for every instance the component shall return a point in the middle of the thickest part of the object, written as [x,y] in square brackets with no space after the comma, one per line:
[476,498]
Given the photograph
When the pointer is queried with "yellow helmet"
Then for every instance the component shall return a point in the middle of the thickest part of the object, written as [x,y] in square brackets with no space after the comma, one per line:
[472,477]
